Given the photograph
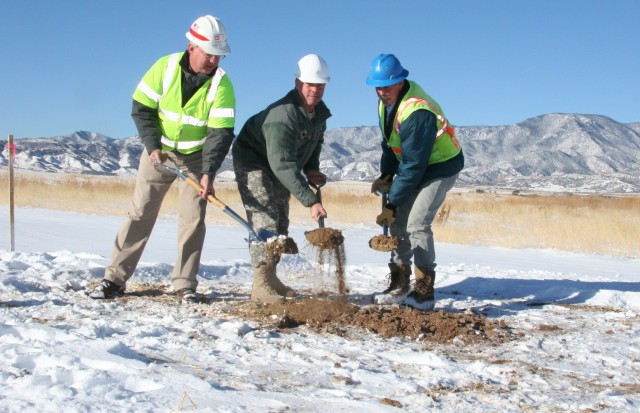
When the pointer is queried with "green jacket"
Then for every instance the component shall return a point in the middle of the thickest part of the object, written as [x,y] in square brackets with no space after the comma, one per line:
[284,141]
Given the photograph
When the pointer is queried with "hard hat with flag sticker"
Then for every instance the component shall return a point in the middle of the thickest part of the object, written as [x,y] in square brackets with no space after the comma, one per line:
[208,33]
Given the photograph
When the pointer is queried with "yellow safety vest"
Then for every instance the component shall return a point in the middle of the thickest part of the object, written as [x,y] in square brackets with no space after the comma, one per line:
[446,145]
[184,129]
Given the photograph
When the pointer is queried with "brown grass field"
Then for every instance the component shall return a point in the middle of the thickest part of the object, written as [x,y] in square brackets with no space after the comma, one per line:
[578,223]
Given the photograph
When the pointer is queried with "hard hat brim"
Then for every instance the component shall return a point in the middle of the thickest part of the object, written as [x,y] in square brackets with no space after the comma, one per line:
[314,80]
[208,47]
[387,82]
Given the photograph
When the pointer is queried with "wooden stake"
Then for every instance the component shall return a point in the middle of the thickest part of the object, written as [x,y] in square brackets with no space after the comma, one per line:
[12,244]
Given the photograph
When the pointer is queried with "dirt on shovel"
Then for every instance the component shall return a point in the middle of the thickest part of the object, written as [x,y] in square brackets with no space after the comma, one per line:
[282,245]
[326,238]
[384,243]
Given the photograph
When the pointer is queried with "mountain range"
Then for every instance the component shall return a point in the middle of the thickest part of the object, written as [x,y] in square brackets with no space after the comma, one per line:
[557,152]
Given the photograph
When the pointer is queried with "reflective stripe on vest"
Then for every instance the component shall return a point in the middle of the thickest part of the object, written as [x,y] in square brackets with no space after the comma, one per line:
[182,145]
[446,144]
[172,74]
[444,128]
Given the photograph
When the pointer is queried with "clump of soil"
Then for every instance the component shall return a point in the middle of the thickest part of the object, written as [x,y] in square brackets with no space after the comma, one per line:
[335,316]
[384,243]
[282,245]
[326,238]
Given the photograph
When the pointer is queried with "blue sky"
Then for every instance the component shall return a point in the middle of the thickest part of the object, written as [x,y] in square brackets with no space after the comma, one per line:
[72,65]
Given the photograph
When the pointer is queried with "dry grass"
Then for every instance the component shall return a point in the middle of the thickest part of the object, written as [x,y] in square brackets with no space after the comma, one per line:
[593,224]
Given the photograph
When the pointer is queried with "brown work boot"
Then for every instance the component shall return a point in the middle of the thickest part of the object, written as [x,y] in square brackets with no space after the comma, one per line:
[423,295]
[277,285]
[399,280]
[262,291]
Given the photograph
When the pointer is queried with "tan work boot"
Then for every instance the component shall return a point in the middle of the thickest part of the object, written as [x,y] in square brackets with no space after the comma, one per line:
[277,285]
[423,295]
[399,280]
[262,291]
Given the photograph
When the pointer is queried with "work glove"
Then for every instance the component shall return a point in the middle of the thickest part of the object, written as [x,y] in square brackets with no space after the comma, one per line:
[382,184]
[316,178]
[388,214]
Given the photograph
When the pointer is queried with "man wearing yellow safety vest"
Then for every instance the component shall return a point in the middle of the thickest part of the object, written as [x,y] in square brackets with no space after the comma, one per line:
[420,162]
[184,110]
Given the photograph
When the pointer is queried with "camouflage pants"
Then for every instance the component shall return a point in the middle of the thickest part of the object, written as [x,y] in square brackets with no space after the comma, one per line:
[266,202]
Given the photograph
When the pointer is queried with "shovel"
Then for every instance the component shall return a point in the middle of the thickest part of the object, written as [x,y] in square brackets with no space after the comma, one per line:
[385,201]
[319,194]
[262,235]
[384,242]
[323,238]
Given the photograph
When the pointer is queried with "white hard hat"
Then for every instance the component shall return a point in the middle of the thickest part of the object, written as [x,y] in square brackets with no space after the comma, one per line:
[209,33]
[312,69]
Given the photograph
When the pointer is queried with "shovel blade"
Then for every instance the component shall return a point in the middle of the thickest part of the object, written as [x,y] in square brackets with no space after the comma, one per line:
[264,234]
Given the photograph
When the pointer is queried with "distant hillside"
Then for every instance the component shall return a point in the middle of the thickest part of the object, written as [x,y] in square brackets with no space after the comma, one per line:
[556,152]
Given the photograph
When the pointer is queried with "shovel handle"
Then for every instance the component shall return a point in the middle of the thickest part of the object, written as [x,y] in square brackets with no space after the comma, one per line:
[215,201]
[253,236]
[319,194]
[385,200]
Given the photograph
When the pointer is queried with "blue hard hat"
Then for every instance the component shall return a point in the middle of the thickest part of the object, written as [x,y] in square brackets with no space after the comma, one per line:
[386,70]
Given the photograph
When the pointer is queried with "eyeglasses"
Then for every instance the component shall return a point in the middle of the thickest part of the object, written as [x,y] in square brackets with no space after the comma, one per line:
[210,56]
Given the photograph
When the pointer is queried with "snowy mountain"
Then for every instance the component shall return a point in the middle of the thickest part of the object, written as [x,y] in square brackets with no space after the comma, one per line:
[555,152]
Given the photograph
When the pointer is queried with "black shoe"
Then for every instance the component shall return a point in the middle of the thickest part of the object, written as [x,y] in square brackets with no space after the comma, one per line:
[187,295]
[107,289]
[422,297]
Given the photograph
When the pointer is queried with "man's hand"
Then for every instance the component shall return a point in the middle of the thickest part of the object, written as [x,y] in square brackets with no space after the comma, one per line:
[316,178]
[382,184]
[317,211]
[387,214]
[156,157]
[206,182]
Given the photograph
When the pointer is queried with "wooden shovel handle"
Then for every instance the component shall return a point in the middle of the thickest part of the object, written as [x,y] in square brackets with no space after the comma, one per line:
[211,198]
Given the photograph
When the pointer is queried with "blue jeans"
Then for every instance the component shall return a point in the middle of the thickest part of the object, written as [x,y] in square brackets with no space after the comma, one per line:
[413,223]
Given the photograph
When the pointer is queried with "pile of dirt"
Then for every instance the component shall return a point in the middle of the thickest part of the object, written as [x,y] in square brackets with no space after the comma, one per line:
[384,243]
[339,316]
[435,326]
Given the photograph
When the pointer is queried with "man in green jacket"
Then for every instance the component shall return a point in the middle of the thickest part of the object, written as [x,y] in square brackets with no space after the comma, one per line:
[420,162]
[270,155]
[184,110]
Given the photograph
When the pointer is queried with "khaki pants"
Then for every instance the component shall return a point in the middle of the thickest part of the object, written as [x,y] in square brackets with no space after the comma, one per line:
[151,187]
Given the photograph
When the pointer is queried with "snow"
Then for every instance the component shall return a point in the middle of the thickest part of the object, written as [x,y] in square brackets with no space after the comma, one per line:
[577,316]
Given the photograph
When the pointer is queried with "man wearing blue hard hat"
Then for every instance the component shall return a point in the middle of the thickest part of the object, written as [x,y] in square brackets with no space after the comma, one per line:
[420,162]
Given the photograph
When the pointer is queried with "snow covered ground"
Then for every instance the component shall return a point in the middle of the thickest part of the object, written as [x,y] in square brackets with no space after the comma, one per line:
[576,318]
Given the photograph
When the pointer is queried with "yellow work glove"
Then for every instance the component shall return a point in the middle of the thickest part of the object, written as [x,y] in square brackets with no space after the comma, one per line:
[382,184]
[388,215]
